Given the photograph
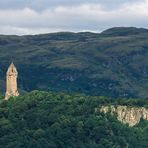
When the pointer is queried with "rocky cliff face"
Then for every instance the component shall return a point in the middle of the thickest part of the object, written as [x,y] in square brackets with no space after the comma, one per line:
[125,114]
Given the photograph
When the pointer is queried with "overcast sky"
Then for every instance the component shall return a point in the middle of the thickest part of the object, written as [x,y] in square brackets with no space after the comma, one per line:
[43,16]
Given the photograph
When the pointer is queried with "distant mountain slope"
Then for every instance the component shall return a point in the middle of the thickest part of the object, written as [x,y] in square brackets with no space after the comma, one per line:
[113,63]
[124,31]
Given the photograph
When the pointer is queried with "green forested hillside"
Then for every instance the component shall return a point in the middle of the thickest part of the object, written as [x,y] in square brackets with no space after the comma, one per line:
[113,63]
[58,120]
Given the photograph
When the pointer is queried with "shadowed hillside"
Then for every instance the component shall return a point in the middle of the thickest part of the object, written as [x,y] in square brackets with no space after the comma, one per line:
[113,63]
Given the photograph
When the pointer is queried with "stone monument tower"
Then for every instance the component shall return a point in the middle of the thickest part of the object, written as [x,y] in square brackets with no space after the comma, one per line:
[11,82]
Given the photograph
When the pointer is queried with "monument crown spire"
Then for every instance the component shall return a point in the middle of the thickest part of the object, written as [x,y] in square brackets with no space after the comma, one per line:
[12,69]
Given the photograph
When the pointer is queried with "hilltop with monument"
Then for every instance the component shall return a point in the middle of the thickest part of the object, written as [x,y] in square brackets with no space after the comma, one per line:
[11,82]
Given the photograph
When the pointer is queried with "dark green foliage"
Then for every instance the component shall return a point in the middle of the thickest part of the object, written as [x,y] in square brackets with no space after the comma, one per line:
[58,120]
[113,63]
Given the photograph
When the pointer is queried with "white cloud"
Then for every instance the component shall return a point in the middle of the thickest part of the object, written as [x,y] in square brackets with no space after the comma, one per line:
[73,18]
[7,30]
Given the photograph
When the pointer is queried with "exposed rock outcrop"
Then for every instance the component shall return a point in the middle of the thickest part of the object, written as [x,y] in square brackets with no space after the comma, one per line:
[125,114]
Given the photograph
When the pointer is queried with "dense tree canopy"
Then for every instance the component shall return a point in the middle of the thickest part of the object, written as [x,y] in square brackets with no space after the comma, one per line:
[55,120]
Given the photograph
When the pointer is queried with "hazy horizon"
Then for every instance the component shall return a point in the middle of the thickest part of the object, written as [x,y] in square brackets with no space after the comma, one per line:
[99,32]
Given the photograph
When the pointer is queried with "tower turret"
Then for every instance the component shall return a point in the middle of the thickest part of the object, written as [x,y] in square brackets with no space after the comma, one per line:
[11,82]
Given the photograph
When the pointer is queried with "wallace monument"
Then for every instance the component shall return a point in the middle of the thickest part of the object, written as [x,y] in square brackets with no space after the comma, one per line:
[11,82]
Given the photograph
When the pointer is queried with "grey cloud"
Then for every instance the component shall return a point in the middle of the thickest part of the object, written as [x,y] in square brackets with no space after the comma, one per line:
[71,16]
[45,4]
